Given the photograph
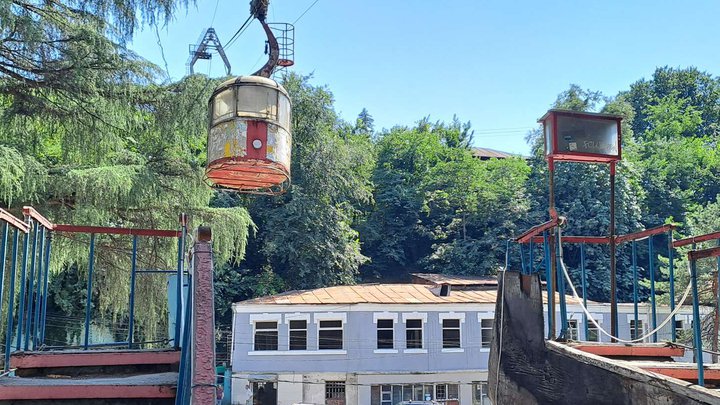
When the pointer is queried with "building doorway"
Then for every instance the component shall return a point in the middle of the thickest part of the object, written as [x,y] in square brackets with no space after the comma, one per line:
[264,393]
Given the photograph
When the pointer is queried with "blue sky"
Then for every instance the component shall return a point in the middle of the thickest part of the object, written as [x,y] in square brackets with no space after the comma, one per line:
[499,64]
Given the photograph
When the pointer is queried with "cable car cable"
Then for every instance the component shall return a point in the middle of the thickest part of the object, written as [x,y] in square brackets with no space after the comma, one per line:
[237,33]
[306,10]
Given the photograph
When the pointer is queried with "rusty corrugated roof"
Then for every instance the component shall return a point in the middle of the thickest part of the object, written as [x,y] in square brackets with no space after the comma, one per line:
[487,153]
[379,294]
[432,278]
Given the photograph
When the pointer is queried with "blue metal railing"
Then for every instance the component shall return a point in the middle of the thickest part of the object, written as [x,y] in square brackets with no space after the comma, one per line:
[533,236]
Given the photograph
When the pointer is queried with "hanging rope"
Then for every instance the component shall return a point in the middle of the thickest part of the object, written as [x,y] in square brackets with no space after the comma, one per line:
[594,322]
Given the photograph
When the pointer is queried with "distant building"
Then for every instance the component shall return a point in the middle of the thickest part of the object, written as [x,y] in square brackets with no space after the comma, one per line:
[380,344]
[487,153]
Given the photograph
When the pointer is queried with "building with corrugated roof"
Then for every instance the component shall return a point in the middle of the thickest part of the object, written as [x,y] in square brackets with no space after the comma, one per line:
[381,344]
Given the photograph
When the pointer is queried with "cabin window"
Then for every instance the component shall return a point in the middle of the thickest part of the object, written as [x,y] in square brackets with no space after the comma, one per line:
[413,334]
[266,335]
[298,335]
[486,327]
[330,335]
[385,333]
[451,333]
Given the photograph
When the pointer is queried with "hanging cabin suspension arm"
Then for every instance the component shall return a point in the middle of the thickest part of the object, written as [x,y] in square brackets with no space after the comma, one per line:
[258,9]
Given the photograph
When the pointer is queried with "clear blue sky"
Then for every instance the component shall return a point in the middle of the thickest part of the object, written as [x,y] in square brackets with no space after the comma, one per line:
[497,64]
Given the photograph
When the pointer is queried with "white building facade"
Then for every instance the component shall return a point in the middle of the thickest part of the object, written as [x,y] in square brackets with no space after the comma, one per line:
[380,344]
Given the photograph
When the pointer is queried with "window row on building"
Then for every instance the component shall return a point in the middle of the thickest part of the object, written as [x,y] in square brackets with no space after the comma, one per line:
[407,333]
[442,393]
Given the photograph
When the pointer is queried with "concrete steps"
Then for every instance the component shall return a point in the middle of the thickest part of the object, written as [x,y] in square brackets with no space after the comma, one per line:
[92,377]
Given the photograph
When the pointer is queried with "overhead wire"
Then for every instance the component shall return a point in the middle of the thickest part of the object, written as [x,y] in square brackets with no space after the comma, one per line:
[217,2]
[305,12]
[238,33]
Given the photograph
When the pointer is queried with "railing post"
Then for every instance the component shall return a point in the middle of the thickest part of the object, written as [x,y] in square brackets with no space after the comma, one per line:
[31,285]
[45,288]
[203,322]
[11,299]
[179,288]
[38,293]
[583,274]
[532,257]
[671,269]
[561,288]
[23,279]
[549,285]
[635,288]
[88,301]
[131,315]
[697,328]
[3,255]
[651,267]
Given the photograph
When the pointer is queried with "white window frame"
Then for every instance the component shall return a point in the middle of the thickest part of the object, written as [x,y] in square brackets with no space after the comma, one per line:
[386,316]
[264,317]
[297,316]
[331,316]
[480,317]
[599,318]
[452,315]
[422,316]
[642,318]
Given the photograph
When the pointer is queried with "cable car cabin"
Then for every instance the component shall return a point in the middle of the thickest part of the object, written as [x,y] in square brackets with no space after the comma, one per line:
[249,140]
[581,137]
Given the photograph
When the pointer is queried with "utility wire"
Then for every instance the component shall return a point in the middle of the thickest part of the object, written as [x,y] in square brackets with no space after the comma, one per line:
[237,33]
[214,12]
[304,12]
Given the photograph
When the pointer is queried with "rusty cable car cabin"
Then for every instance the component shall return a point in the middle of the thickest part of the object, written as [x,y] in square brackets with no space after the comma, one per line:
[249,140]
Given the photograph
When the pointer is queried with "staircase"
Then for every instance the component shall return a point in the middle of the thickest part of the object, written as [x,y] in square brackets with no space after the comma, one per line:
[104,377]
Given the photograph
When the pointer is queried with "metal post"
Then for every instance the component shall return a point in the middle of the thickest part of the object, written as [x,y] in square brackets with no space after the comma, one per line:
[88,301]
[548,284]
[11,298]
[635,287]
[3,254]
[38,294]
[583,274]
[613,259]
[31,286]
[523,266]
[697,329]
[133,269]
[45,288]
[532,257]
[561,289]
[553,258]
[651,267]
[179,291]
[23,279]
[671,268]
[203,322]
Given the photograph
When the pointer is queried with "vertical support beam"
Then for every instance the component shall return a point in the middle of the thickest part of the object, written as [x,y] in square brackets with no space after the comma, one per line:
[3,255]
[133,270]
[11,299]
[203,321]
[613,259]
[716,318]
[523,266]
[179,290]
[697,328]
[23,280]
[635,288]
[651,267]
[45,288]
[548,284]
[38,293]
[583,274]
[671,269]
[31,285]
[88,301]
[561,288]
[532,257]
[553,258]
